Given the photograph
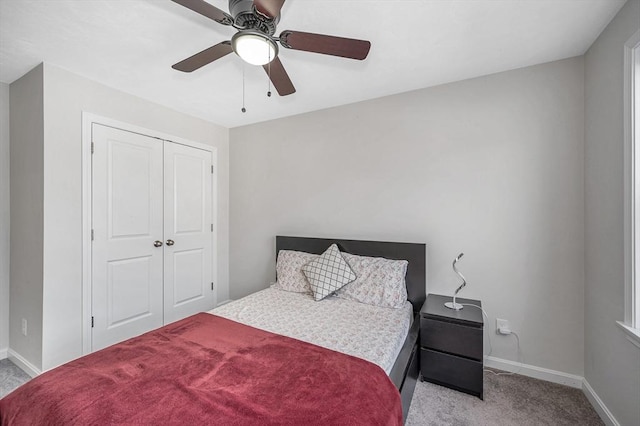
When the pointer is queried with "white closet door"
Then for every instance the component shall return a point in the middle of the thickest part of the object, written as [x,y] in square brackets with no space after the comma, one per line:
[187,231]
[127,208]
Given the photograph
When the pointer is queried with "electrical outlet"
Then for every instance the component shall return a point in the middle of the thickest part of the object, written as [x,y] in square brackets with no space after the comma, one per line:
[502,324]
[24,327]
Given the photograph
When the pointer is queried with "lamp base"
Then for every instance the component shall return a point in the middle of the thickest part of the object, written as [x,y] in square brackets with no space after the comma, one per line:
[453,305]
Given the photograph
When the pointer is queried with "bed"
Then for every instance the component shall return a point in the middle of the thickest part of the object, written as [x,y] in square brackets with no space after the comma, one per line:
[214,369]
[405,370]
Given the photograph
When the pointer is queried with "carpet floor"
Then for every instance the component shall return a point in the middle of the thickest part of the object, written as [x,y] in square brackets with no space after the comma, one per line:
[10,377]
[508,400]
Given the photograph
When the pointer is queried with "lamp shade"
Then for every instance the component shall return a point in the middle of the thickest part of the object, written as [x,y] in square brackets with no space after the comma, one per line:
[254,47]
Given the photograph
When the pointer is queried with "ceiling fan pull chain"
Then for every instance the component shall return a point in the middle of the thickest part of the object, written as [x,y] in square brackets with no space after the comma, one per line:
[269,72]
[243,108]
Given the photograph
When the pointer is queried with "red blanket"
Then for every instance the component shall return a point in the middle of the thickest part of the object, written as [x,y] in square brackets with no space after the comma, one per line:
[208,370]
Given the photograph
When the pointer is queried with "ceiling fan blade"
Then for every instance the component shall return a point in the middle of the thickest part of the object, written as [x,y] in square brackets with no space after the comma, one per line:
[327,45]
[208,10]
[268,8]
[205,57]
[279,77]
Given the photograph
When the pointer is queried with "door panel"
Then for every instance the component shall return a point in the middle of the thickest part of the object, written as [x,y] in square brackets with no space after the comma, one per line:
[189,182]
[127,270]
[129,195]
[187,271]
[138,297]
[188,219]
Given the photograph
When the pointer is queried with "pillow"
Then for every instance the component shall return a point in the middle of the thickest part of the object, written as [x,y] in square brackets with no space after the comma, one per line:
[289,272]
[380,282]
[328,273]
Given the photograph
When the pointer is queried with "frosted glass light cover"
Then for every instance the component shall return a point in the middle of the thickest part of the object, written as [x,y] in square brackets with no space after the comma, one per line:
[254,48]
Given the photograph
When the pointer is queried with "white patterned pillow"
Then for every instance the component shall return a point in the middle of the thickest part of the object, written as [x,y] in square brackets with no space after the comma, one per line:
[328,273]
[380,282]
[289,271]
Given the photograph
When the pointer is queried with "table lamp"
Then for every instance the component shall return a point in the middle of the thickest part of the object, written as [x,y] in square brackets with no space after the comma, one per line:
[453,305]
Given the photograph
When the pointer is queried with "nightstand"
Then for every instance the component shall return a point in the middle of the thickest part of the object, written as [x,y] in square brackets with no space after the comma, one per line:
[451,344]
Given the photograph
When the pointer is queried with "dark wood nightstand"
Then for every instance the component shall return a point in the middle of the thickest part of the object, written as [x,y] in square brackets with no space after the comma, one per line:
[451,344]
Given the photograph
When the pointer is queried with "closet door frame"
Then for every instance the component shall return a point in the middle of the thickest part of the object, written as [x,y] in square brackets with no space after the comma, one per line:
[88,119]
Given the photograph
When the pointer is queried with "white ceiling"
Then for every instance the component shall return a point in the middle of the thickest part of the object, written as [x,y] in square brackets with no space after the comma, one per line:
[131,44]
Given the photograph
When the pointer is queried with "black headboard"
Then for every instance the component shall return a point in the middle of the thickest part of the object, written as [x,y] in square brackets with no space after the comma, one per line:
[412,252]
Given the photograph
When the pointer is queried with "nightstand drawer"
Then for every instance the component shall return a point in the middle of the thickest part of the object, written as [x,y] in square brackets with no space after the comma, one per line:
[452,371]
[452,338]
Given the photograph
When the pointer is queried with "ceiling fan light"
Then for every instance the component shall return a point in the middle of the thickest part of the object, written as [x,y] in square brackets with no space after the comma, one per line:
[254,47]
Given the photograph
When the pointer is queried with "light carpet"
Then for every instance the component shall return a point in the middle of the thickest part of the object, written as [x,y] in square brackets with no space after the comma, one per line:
[508,400]
[10,377]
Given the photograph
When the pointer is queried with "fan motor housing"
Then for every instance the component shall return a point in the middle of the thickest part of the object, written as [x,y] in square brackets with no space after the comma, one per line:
[246,17]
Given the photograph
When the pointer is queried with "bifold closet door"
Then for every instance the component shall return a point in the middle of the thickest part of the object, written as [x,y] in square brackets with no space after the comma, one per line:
[127,223]
[188,230]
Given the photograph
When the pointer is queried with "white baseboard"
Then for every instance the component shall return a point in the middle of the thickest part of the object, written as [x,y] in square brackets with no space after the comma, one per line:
[535,372]
[4,353]
[556,377]
[598,405]
[224,302]
[24,365]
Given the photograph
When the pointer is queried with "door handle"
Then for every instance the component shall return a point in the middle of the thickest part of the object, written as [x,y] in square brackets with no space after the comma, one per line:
[170,242]
[157,243]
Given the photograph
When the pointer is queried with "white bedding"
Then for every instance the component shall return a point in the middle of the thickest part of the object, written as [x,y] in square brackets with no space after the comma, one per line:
[369,332]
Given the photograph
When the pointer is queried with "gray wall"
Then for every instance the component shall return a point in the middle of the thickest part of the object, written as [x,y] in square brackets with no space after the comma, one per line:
[59,291]
[4,219]
[492,167]
[612,364]
[27,185]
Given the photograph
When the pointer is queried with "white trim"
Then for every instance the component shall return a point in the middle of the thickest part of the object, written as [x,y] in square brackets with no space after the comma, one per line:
[559,377]
[598,405]
[224,302]
[24,365]
[4,353]
[214,220]
[535,372]
[633,334]
[631,314]
[88,119]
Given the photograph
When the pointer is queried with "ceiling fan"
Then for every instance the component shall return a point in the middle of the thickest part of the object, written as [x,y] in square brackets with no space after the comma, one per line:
[255,43]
